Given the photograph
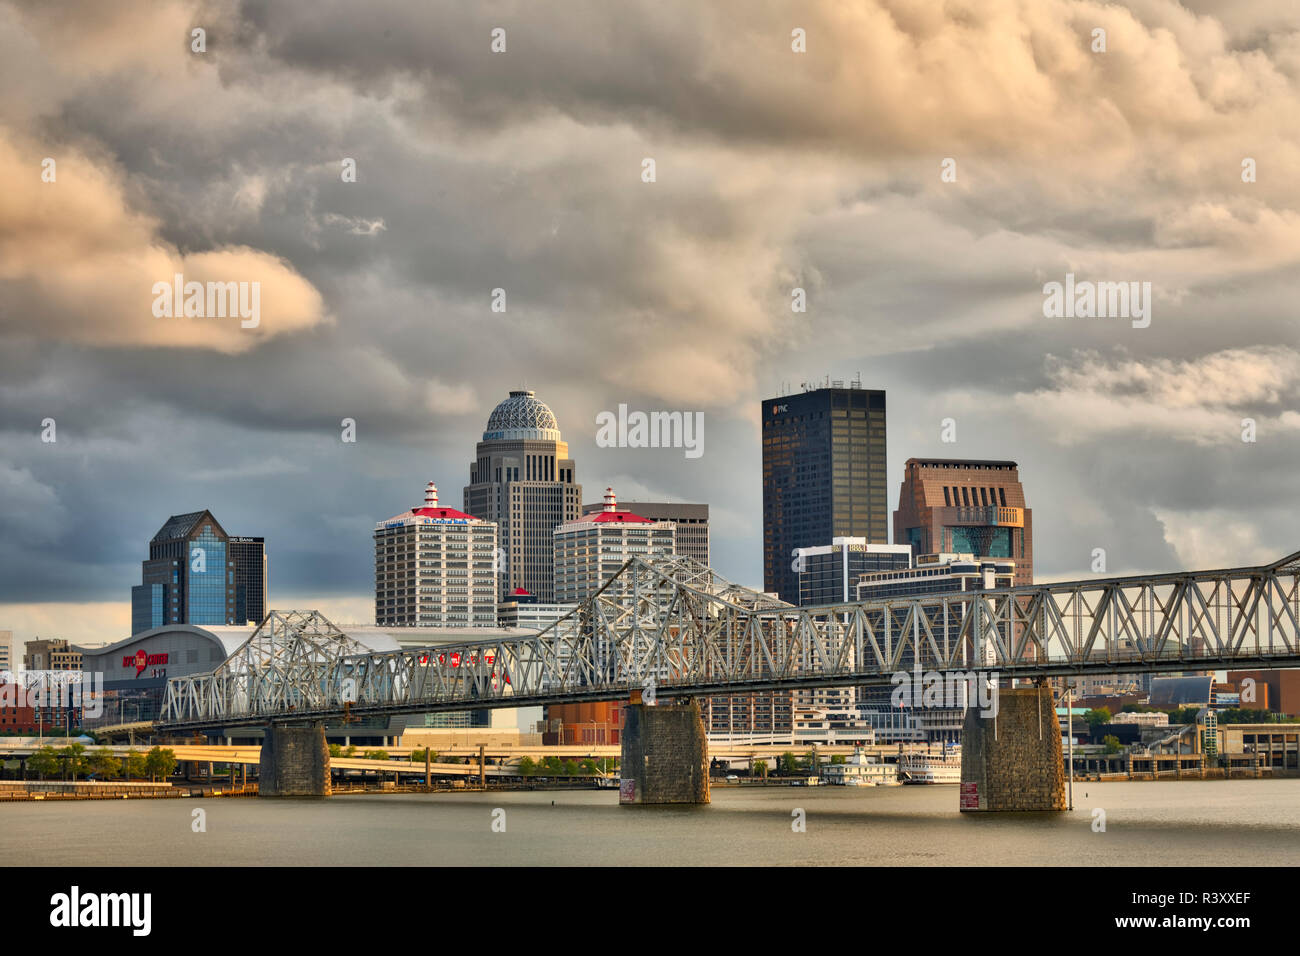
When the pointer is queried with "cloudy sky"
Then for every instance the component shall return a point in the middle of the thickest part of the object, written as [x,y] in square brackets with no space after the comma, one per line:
[522,170]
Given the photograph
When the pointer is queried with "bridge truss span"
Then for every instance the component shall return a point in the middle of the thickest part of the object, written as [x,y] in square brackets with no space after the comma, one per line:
[678,624]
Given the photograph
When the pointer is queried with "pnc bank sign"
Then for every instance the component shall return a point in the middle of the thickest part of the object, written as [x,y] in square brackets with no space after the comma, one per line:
[140,660]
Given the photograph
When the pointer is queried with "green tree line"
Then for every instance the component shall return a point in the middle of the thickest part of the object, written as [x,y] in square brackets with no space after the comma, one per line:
[74,761]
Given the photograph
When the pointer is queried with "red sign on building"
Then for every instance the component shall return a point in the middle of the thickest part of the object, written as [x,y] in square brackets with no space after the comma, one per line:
[970,796]
[140,660]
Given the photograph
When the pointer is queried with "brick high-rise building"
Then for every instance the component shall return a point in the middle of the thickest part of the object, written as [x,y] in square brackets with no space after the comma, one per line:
[948,506]
[51,655]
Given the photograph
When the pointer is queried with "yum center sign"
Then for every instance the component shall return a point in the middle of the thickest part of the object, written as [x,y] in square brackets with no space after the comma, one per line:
[140,660]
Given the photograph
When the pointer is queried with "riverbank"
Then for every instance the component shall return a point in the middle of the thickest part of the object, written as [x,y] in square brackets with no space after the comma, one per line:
[29,790]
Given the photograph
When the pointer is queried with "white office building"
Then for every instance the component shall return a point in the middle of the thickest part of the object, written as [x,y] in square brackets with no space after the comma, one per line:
[591,550]
[435,567]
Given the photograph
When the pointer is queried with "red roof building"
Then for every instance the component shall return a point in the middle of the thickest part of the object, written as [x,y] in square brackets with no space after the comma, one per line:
[592,549]
[435,567]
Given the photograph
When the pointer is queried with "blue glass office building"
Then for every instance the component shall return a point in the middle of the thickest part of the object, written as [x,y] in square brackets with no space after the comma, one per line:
[195,576]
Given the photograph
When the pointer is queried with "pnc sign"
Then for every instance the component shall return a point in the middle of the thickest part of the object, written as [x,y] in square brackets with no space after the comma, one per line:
[140,660]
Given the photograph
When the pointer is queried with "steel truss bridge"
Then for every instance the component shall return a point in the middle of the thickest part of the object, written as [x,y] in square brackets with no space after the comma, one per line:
[679,624]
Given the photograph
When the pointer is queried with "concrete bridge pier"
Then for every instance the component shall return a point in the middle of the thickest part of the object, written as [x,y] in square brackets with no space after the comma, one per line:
[295,762]
[1012,760]
[665,755]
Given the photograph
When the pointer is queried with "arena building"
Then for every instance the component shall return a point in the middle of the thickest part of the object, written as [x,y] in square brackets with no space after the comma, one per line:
[135,672]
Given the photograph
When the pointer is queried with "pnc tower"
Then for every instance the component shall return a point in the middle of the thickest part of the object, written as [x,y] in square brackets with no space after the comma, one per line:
[823,476]
[522,478]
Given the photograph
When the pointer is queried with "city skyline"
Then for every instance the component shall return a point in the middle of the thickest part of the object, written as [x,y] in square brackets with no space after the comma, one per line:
[823,171]
[357,603]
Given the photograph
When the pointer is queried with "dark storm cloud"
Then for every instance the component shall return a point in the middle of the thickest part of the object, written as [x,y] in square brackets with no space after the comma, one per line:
[522,171]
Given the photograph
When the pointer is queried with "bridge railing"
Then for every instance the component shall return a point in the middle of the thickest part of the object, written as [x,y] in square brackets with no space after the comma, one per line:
[679,625]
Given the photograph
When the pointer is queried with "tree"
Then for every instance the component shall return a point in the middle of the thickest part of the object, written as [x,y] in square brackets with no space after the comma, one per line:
[570,768]
[74,759]
[336,750]
[788,763]
[136,764]
[588,767]
[760,768]
[839,759]
[104,764]
[44,761]
[551,766]
[376,755]
[527,766]
[1112,743]
[1097,717]
[351,751]
[160,762]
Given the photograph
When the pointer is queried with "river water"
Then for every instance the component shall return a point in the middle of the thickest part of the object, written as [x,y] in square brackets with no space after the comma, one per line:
[1216,822]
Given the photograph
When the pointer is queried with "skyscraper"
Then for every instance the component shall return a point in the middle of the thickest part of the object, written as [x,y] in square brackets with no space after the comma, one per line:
[523,480]
[252,580]
[824,473]
[434,568]
[948,506]
[195,576]
[591,549]
[692,521]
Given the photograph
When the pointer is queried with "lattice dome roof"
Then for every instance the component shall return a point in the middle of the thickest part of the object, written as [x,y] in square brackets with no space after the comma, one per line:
[522,416]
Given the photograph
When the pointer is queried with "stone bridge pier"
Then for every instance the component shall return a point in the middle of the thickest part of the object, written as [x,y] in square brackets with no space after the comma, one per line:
[665,754]
[295,762]
[1012,760]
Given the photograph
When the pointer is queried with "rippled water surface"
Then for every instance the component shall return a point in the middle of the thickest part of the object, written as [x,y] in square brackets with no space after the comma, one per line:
[1237,822]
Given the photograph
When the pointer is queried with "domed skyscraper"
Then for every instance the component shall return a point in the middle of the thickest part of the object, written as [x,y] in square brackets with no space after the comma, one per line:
[523,479]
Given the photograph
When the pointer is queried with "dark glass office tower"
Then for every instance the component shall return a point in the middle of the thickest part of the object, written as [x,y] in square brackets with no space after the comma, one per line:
[249,556]
[823,476]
